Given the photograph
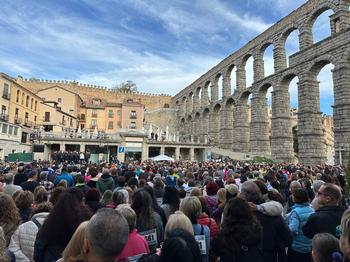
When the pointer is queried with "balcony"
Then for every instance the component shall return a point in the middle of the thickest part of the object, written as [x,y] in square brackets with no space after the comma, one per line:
[133,116]
[18,120]
[28,123]
[94,115]
[4,117]
[63,123]
[6,96]
[92,127]
[81,118]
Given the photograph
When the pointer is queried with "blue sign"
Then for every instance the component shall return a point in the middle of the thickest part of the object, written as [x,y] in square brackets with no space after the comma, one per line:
[121,149]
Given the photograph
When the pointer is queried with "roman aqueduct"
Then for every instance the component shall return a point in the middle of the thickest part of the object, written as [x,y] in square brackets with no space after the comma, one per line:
[224,119]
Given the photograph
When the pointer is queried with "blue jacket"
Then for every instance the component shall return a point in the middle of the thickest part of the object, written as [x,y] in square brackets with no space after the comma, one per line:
[296,220]
[66,177]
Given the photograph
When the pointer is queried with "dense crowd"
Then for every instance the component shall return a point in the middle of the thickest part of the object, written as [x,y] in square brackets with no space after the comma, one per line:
[173,211]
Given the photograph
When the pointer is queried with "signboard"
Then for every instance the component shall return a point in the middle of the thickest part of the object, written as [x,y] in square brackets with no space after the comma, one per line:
[200,239]
[121,149]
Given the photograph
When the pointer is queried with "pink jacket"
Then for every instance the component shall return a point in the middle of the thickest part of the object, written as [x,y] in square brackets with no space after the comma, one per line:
[135,246]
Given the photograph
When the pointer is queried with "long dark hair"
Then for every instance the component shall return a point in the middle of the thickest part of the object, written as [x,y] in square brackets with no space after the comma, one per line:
[63,220]
[239,226]
[142,205]
[171,197]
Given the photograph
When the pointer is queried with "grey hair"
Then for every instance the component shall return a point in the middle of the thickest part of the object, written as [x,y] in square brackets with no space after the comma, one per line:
[8,178]
[250,191]
[108,233]
[295,184]
[129,214]
[317,185]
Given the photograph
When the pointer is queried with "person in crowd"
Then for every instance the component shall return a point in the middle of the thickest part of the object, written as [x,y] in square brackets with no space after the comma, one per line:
[192,208]
[5,255]
[146,218]
[24,202]
[63,183]
[106,197]
[59,227]
[80,184]
[92,177]
[294,185]
[23,239]
[241,235]
[328,216]
[155,204]
[178,220]
[158,187]
[205,220]
[344,233]
[117,198]
[300,251]
[9,188]
[44,181]
[31,183]
[171,201]
[136,246]
[316,186]
[105,182]
[56,193]
[9,216]
[40,195]
[74,250]
[211,190]
[221,197]
[325,248]
[196,191]
[231,191]
[92,200]
[106,236]
[64,176]
[20,176]
[276,234]
[180,245]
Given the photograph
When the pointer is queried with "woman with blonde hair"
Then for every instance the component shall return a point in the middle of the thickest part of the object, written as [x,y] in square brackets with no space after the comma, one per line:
[178,220]
[344,241]
[74,250]
[9,216]
[196,191]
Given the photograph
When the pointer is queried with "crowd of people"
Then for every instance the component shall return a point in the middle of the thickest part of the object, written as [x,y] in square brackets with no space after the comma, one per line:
[173,211]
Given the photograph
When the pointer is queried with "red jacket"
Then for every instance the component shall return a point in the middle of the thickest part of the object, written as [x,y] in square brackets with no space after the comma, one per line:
[136,245]
[204,220]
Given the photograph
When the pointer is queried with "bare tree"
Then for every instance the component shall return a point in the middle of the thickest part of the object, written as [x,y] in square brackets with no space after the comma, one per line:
[127,86]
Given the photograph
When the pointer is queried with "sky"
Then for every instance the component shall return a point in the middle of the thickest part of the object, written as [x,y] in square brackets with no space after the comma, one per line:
[161,45]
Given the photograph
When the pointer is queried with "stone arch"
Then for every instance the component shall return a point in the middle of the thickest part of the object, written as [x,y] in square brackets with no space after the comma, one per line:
[227,121]
[316,65]
[231,81]
[280,52]
[242,72]
[198,98]
[204,131]
[217,88]
[206,94]
[261,69]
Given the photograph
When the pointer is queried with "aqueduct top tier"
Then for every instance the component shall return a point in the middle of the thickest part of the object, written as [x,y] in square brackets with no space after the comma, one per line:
[225,120]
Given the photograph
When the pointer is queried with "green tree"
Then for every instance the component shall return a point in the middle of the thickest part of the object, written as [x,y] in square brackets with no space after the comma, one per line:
[128,86]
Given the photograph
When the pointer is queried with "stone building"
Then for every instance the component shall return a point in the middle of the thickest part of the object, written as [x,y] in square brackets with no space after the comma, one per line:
[224,120]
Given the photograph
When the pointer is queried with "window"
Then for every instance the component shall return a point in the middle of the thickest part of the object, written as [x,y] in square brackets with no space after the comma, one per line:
[110,125]
[63,120]
[133,115]
[26,117]
[15,131]
[82,117]
[23,95]
[16,112]
[24,137]
[119,124]
[5,92]
[119,113]
[96,101]
[4,128]
[47,117]
[71,111]
[132,125]
[27,101]
[82,126]
[93,113]
[31,103]
[59,100]
[36,105]
[17,95]
[35,118]
[10,130]
[93,123]
[3,110]
[110,114]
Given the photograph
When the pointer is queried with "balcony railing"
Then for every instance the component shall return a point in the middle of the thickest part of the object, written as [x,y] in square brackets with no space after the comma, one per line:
[4,117]
[94,115]
[81,117]
[133,116]
[6,96]
[28,123]
[18,120]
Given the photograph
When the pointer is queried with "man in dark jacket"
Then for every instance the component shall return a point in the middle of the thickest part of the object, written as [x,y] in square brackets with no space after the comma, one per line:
[328,216]
[20,177]
[276,234]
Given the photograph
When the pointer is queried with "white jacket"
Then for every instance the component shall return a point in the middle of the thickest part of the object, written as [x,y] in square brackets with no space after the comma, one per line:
[23,239]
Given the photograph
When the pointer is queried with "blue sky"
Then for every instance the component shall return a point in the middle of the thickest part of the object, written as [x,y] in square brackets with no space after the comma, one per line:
[161,45]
